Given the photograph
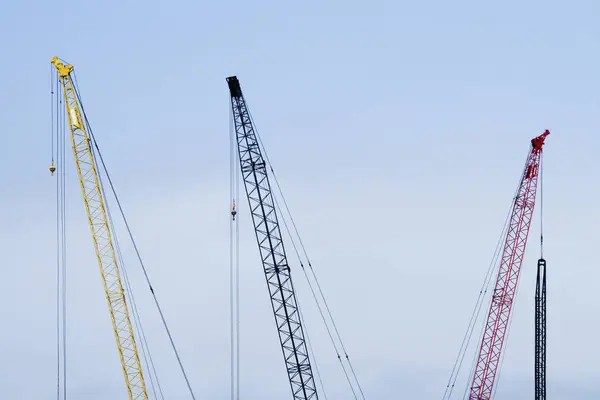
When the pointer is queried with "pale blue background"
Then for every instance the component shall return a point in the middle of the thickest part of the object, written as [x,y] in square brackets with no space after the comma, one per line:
[398,130]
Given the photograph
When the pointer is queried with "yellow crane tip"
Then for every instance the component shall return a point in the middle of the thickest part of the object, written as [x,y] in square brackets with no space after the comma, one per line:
[63,69]
[52,169]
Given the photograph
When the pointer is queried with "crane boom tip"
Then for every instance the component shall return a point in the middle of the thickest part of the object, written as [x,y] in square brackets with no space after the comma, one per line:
[234,86]
[63,69]
[538,142]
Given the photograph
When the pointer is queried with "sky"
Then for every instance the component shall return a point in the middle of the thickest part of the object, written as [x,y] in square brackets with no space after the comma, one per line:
[398,131]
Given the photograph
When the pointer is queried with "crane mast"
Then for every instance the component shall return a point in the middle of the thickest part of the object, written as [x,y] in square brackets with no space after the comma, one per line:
[101,234]
[273,256]
[540,331]
[508,276]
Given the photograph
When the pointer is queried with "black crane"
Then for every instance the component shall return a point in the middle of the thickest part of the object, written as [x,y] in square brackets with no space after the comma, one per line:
[273,256]
[540,331]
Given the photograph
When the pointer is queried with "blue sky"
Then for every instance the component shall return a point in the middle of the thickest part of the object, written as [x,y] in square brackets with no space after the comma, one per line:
[398,131]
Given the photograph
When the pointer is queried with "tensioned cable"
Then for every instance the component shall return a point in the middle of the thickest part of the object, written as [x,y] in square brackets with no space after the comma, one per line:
[64,212]
[329,333]
[475,320]
[57,243]
[146,354]
[130,233]
[231,272]
[322,314]
[61,241]
[237,298]
[55,130]
[542,205]
[313,355]
[144,270]
[234,266]
[334,325]
[61,250]
[61,210]
[52,72]
[312,270]
[475,314]
[237,283]
[138,326]
[317,284]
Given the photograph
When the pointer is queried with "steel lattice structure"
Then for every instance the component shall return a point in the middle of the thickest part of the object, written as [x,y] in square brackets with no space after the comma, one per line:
[540,331]
[273,256]
[103,241]
[508,276]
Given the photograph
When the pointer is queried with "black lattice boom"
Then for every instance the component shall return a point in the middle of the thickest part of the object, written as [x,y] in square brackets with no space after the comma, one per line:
[540,331]
[274,260]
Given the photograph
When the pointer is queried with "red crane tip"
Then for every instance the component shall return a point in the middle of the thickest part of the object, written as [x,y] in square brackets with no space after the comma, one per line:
[538,142]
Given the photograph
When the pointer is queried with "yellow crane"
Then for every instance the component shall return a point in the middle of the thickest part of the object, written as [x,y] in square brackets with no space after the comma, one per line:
[103,241]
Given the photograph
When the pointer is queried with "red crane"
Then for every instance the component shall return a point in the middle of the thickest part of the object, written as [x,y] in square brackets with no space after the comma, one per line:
[482,385]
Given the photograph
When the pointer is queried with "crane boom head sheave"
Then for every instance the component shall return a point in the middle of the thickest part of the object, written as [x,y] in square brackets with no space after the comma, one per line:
[234,86]
[63,69]
[538,142]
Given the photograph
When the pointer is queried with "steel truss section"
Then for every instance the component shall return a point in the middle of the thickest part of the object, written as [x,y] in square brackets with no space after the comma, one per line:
[272,252]
[508,277]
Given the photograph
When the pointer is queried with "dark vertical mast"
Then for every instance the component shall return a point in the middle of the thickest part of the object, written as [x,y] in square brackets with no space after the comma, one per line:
[540,331]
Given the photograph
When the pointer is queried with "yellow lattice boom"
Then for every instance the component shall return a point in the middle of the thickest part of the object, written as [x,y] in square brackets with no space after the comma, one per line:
[103,242]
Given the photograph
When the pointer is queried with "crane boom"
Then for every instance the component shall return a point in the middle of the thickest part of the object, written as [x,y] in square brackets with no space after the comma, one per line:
[103,242]
[273,256]
[508,276]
